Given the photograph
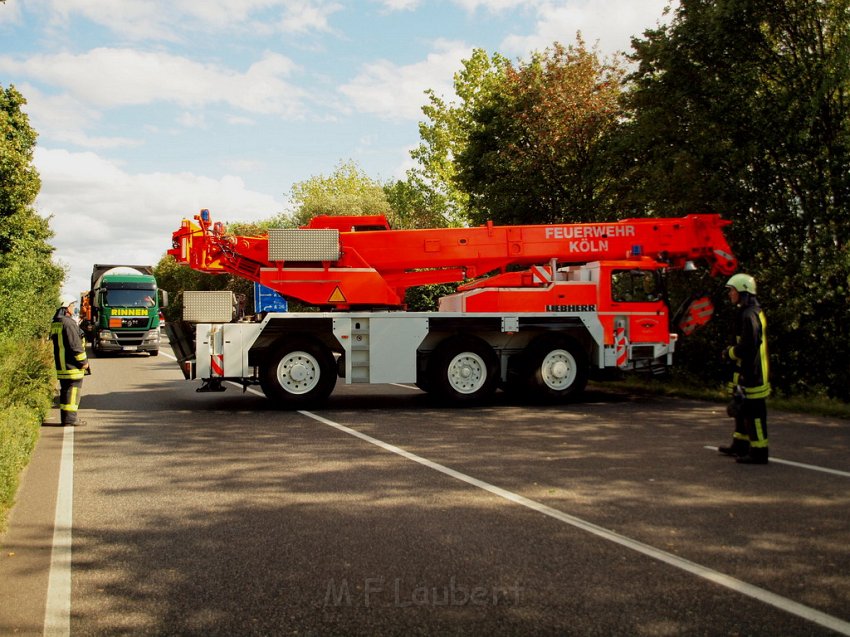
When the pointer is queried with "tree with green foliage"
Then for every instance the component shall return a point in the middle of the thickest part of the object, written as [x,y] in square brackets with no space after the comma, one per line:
[346,191]
[537,151]
[28,277]
[29,282]
[448,125]
[527,142]
[743,107]
[415,205]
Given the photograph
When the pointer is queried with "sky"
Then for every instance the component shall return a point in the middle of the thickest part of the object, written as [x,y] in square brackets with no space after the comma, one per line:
[148,111]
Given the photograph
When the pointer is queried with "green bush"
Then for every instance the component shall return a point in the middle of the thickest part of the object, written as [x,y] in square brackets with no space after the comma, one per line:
[27,383]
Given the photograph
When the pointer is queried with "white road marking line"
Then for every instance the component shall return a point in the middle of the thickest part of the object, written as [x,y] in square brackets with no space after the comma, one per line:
[800,465]
[403,386]
[57,614]
[732,583]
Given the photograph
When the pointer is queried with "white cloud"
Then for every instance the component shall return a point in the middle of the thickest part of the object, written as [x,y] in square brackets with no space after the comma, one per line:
[400,5]
[236,120]
[494,6]
[244,166]
[63,118]
[302,17]
[392,91]
[611,24]
[103,214]
[175,20]
[192,120]
[10,12]
[136,20]
[109,78]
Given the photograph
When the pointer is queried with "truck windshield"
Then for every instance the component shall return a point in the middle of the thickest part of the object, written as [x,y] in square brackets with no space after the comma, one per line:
[129,298]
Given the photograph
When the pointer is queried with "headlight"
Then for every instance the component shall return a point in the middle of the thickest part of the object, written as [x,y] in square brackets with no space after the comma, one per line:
[106,335]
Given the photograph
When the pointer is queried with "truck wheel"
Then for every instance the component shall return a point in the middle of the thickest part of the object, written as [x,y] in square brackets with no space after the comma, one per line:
[154,352]
[463,370]
[299,373]
[556,368]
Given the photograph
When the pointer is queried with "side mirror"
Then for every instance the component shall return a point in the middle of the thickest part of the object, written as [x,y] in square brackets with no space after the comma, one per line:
[164,298]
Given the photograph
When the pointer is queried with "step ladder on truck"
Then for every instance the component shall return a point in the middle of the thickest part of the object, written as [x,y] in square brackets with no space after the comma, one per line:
[541,307]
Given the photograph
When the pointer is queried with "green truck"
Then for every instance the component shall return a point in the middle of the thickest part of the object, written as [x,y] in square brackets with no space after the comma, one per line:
[121,311]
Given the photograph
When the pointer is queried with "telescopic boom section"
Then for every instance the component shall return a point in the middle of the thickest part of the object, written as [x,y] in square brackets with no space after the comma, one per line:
[345,261]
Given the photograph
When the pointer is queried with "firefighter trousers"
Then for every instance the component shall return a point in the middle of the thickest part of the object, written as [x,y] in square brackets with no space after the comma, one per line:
[751,425]
[69,399]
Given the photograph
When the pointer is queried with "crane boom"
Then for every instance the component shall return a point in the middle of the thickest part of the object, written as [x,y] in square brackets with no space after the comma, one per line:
[346,261]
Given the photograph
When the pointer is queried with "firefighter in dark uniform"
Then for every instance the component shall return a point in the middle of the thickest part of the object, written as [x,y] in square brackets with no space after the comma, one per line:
[69,355]
[750,378]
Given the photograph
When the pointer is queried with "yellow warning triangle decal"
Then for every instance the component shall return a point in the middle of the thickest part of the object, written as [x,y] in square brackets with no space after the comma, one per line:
[337,296]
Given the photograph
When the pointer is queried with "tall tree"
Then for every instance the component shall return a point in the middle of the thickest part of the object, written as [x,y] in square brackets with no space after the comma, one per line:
[415,204]
[528,141]
[346,191]
[28,278]
[445,133]
[741,107]
[537,151]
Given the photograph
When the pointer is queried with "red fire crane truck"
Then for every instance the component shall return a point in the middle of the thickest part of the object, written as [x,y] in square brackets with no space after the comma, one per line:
[557,301]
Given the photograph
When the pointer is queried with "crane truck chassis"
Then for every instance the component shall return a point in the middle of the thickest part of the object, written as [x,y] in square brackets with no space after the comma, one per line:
[590,297]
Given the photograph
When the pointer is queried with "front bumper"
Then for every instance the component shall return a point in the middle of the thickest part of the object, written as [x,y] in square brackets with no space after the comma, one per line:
[129,341]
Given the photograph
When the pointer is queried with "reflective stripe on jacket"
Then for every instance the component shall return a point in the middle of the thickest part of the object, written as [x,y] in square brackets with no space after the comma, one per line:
[750,351]
[69,353]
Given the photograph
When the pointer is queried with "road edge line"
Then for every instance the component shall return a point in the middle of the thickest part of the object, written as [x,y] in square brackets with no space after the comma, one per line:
[57,612]
[800,465]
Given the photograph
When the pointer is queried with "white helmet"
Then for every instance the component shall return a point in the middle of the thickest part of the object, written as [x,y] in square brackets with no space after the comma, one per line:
[742,283]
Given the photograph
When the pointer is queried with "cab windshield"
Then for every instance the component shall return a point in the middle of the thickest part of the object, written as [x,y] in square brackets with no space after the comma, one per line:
[129,297]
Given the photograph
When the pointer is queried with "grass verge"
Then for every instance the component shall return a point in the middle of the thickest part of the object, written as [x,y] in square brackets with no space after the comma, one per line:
[27,383]
[680,388]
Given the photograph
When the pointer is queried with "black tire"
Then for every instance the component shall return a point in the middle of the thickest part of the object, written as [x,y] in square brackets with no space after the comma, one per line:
[154,352]
[463,370]
[298,373]
[554,368]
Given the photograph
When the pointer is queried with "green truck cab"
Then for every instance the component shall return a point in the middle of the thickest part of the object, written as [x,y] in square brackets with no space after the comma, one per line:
[121,311]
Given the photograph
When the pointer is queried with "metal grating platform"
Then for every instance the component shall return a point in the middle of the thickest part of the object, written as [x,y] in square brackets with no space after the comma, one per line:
[303,245]
[209,307]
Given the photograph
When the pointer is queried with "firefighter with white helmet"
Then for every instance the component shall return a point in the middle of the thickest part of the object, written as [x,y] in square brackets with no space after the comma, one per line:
[69,356]
[750,384]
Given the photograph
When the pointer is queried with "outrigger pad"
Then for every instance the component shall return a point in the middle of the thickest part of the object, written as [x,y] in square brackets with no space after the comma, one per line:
[213,384]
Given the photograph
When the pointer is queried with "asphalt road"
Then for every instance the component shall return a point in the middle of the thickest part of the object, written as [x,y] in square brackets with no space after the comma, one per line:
[385,514]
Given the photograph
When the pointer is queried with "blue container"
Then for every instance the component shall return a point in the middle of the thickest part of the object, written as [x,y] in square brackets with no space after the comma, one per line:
[267,300]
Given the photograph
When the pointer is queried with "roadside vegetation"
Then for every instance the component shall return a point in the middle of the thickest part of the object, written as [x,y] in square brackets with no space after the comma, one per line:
[29,281]
[676,386]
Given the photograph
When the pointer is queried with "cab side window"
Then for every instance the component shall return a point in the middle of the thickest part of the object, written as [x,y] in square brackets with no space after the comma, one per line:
[635,286]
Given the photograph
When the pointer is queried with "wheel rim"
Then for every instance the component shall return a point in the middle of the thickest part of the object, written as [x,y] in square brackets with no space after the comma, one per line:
[559,370]
[298,373]
[467,373]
